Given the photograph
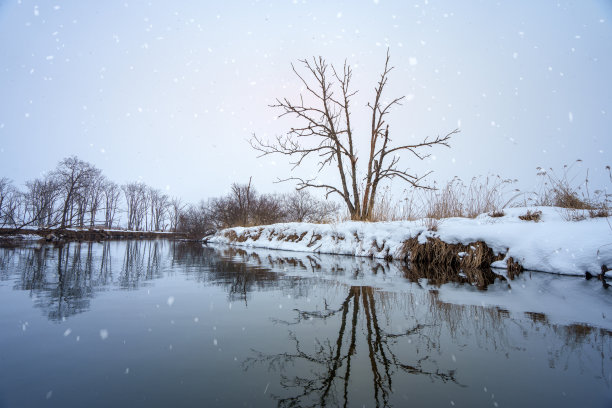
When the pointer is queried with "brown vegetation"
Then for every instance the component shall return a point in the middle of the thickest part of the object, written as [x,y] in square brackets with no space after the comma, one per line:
[436,252]
[456,199]
[575,197]
[531,216]
[441,262]
[514,268]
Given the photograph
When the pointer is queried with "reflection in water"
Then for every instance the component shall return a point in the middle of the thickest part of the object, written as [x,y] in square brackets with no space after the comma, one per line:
[360,331]
[329,373]
[321,376]
[64,278]
[439,275]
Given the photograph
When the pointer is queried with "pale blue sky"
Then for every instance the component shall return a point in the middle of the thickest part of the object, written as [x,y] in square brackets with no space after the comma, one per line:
[168,92]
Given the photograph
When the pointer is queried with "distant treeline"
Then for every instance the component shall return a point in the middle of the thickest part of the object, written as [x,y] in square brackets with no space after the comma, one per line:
[77,194]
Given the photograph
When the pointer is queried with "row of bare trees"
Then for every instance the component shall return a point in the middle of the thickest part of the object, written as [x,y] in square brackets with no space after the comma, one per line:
[77,194]
[244,206]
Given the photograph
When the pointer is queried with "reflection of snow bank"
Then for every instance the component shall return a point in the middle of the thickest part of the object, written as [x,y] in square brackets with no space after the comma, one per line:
[551,245]
[21,237]
[563,300]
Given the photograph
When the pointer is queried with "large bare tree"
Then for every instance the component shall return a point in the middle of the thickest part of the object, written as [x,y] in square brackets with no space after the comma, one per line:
[326,134]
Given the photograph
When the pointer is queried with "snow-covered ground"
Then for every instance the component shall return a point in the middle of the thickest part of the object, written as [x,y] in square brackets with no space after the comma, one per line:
[551,245]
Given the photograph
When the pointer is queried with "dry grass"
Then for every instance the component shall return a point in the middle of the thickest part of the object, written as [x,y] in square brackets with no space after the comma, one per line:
[387,208]
[482,195]
[514,268]
[531,216]
[431,224]
[436,252]
[569,191]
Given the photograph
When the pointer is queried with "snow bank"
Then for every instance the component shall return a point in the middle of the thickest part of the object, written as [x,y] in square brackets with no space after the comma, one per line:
[550,245]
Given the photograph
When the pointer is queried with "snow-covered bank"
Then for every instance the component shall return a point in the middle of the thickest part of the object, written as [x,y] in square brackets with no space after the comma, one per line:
[549,245]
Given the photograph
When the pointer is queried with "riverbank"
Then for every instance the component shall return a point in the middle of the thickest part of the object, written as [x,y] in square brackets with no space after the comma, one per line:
[541,239]
[81,234]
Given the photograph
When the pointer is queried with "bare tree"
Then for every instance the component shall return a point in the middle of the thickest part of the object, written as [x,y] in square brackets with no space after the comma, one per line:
[10,203]
[301,206]
[327,134]
[175,209]
[135,200]
[235,209]
[196,220]
[96,197]
[112,194]
[159,204]
[73,176]
[267,209]
[242,198]
[40,202]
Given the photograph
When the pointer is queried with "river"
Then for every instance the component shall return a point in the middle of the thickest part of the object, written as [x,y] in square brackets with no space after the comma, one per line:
[162,323]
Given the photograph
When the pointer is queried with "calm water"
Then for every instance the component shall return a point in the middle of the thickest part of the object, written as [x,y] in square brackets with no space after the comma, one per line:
[159,323]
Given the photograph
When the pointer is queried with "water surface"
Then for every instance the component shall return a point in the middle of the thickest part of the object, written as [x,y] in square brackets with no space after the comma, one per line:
[160,323]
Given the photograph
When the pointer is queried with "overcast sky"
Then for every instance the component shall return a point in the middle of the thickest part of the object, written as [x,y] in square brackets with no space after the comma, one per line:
[169,92]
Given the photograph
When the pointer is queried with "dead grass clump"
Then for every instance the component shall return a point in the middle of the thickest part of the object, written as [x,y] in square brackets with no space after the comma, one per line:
[573,214]
[531,216]
[436,252]
[497,214]
[376,247]
[337,237]
[295,237]
[431,224]
[230,235]
[314,239]
[514,268]
[599,212]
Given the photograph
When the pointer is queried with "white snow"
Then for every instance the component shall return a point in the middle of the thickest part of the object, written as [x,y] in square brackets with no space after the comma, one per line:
[552,245]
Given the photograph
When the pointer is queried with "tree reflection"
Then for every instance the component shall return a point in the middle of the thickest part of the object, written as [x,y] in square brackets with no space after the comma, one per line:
[63,279]
[232,268]
[363,346]
[332,360]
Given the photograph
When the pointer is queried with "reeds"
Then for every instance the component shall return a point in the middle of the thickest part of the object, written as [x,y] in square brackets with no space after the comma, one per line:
[569,192]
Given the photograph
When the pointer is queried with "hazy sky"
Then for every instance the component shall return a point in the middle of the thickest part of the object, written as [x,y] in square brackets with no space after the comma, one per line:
[169,92]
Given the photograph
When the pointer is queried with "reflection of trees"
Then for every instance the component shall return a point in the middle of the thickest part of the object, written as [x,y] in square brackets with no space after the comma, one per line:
[330,363]
[322,375]
[235,269]
[62,288]
[141,262]
[6,258]
[63,279]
